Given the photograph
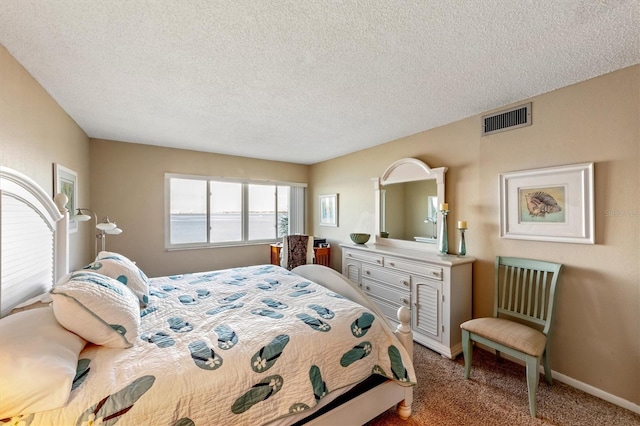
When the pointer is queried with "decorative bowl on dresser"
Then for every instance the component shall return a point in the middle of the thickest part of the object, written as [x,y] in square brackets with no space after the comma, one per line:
[359,238]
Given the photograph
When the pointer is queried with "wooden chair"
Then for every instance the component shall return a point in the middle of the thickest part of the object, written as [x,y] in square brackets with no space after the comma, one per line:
[296,250]
[524,297]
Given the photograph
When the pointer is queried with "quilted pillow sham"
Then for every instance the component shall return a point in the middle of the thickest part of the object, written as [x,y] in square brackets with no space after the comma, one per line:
[119,267]
[97,308]
[38,360]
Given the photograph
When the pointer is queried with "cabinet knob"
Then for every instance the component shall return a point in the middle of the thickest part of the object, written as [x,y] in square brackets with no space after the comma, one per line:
[367,288]
[367,272]
[406,283]
[378,260]
[403,300]
[392,264]
[349,255]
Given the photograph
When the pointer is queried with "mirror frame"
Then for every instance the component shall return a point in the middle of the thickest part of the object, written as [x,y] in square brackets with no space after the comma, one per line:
[408,170]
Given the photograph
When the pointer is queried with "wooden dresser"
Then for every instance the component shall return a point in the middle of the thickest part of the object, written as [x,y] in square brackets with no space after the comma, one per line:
[436,288]
[322,255]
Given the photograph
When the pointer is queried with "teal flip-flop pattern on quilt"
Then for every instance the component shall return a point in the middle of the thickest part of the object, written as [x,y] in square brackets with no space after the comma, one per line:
[147,311]
[227,338]
[356,353]
[274,304]
[202,293]
[259,392]
[204,356]
[160,338]
[109,410]
[268,355]
[315,323]
[233,297]
[187,299]
[223,308]
[179,325]
[298,407]
[267,313]
[82,370]
[320,389]
[361,326]
[325,313]
[397,367]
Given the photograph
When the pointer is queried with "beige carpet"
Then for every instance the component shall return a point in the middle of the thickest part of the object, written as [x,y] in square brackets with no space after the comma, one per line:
[496,394]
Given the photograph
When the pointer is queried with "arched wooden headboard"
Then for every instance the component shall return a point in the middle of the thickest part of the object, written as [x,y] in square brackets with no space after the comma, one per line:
[34,239]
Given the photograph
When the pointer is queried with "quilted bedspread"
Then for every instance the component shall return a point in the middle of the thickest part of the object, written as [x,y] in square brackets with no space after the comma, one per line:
[241,346]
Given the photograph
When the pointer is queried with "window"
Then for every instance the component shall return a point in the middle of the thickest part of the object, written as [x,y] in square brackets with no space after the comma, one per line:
[203,212]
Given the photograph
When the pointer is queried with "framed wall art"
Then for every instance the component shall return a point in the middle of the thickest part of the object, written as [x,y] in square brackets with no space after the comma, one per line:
[329,210]
[66,181]
[548,204]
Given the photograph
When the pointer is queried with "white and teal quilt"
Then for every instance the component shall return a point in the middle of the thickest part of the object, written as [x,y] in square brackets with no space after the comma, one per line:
[241,346]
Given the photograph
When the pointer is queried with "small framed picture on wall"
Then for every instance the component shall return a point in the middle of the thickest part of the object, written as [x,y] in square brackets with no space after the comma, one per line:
[329,210]
[66,181]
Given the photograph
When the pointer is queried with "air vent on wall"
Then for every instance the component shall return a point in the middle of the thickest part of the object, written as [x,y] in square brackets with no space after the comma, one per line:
[509,119]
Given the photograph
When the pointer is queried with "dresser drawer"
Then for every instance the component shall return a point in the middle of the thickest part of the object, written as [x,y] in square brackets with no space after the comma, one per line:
[391,294]
[363,257]
[400,280]
[433,272]
[390,310]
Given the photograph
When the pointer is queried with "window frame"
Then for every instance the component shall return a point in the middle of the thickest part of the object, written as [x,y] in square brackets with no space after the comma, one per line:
[244,214]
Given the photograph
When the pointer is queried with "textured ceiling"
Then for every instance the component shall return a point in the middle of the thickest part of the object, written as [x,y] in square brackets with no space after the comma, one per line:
[306,80]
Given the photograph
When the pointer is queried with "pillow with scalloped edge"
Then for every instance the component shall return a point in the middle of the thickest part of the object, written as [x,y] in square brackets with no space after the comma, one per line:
[97,308]
[119,267]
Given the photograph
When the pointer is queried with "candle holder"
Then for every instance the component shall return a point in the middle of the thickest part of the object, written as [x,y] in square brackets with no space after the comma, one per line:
[462,247]
[443,247]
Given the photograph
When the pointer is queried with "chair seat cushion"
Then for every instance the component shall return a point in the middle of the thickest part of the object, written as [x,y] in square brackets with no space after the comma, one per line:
[508,333]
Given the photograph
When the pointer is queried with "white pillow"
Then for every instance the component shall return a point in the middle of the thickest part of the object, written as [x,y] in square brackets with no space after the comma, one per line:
[117,266]
[38,360]
[97,308]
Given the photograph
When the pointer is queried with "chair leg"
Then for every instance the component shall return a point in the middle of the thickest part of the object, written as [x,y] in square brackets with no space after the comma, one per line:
[547,366]
[498,356]
[467,352]
[533,364]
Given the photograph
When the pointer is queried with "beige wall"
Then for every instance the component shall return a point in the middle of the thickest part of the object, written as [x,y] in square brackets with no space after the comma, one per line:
[35,133]
[597,328]
[127,182]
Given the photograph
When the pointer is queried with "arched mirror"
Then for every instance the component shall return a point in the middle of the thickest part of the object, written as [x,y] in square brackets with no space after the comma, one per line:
[407,198]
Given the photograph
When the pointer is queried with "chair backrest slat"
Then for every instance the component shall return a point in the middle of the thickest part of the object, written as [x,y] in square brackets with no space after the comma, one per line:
[530,284]
[524,289]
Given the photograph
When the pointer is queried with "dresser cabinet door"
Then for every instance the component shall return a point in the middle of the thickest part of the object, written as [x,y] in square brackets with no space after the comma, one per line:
[427,309]
[353,271]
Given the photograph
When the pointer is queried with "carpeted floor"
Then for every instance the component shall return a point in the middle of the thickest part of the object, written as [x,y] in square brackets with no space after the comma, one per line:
[496,394]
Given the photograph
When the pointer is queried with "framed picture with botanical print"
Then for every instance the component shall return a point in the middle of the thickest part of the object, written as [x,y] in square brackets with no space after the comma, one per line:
[548,204]
[66,181]
[329,210]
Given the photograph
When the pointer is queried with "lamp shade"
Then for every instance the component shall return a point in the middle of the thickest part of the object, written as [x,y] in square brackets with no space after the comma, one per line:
[114,231]
[80,217]
[106,225]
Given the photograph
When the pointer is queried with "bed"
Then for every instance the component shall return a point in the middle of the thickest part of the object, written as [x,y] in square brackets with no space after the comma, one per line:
[252,345]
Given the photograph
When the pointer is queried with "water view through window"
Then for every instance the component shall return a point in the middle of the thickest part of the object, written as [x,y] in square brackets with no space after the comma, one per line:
[189,228]
[266,209]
